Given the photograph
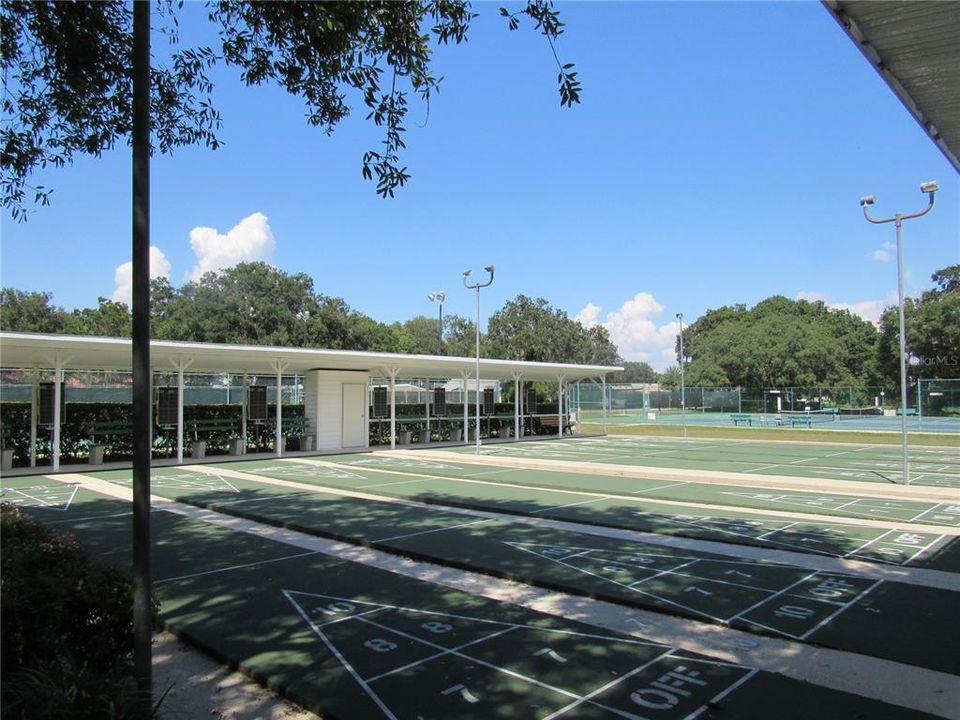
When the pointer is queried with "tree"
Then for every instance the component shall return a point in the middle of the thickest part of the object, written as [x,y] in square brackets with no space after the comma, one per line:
[780,342]
[68,87]
[108,319]
[635,372]
[22,311]
[670,379]
[933,331]
[530,329]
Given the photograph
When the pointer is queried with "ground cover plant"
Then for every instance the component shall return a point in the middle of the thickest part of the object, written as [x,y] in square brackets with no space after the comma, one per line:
[67,628]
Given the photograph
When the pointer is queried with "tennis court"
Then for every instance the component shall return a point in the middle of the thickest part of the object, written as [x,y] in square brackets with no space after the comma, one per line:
[796,419]
[355,641]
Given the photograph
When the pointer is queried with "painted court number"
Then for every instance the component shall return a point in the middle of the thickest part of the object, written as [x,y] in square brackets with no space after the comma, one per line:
[666,691]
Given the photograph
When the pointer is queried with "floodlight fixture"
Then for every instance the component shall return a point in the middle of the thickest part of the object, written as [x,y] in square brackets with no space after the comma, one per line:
[438,297]
[930,188]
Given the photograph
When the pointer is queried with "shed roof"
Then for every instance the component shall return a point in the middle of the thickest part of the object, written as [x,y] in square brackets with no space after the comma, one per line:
[26,350]
[915,46]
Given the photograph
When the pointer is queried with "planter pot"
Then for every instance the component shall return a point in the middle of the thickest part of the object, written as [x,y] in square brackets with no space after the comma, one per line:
[96,455]
[403,437]
[504,431]
[425,436]
[473,434]
[456,434]
[6,459]
[305,442]
[198,449]
[237,446]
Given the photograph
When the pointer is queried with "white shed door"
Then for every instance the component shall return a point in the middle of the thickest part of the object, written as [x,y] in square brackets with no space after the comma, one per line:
[354,415]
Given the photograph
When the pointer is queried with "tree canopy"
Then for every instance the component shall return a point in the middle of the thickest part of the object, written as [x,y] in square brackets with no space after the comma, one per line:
[68,84]
[530,329]
[780,342]
[933,331]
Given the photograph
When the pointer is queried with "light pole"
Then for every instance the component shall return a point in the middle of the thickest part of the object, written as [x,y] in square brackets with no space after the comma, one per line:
[683,388]
[439,297]
[929,188]
[477,286]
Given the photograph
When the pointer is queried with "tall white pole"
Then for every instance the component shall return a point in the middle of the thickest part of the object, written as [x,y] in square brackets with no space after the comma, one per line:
[477,286]
[903,351]
[929,189]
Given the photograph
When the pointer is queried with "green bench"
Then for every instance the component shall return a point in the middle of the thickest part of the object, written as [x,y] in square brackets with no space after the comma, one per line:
[553,422]
[106,435]
[215,431]
[741,418]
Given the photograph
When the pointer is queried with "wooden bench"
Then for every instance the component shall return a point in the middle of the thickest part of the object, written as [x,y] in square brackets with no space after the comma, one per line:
[741,418]
[800,420]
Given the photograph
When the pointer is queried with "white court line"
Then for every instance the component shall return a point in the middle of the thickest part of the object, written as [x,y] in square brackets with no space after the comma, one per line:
[661,487]
[387,484]
[773,595]
[85,519]
[870,542]
[839,610]
[427,532]
[478,661]
[43,503]
[717,698]
[492,472]
[926,512]
[581,502]
[604,688]
[425,660]
[343,661]
[237,567]
[776,530]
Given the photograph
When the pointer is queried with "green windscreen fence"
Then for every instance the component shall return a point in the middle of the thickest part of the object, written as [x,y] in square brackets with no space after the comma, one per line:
[636,399]
[939,398]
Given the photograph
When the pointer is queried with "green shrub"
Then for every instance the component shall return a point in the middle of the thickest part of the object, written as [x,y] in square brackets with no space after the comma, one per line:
[67,627]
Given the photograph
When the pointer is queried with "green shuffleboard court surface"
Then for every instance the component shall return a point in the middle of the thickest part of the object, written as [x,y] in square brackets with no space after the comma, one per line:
[350,641]
[819,503]
[827,608]
[929,466]
[893,545]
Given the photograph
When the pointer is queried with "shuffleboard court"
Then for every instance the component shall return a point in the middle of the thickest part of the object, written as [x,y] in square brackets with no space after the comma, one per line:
[888,544]
[351,641]
[934,467]
[819,503]
[756,596]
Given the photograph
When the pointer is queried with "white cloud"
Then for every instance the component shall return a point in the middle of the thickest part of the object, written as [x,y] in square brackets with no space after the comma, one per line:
[633,329]
[123,275]
[251,239]
[869,310]
[883,253]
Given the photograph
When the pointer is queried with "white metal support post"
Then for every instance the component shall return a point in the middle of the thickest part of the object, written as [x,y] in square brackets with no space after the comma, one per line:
[392,375]
[465,375]
[57,390]
[181,365]
[279,367]
[426,406]
[930,189]
[516,404]
[243,412]
[560,379]
[603,401]
[33,421]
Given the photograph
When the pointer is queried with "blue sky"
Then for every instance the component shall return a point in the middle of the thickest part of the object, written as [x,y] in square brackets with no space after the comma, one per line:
[718,157]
